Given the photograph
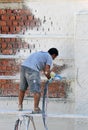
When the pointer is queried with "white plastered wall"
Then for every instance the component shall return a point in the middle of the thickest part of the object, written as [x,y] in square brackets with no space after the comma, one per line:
[81,65]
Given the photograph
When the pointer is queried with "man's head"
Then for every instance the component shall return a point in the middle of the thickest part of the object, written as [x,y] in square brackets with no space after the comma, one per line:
[53,52]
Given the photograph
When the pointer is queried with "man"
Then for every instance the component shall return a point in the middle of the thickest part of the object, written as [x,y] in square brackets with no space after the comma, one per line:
[30,75]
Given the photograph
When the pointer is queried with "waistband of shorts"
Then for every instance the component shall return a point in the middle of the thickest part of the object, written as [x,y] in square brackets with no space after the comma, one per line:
[25,67]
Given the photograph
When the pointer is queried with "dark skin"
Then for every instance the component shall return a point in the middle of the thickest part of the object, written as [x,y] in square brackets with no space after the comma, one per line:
[47,68]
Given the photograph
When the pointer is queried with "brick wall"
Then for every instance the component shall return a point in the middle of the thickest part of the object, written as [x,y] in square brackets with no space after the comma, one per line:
[9,87]
[18,21]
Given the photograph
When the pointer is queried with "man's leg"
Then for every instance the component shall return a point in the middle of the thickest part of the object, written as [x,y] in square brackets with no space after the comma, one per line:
[36,100]
[20,98]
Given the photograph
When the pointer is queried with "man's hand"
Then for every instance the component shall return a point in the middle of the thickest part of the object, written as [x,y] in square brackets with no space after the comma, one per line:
[52,74]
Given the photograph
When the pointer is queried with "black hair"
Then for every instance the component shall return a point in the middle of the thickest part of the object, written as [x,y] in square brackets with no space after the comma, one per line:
[52,51]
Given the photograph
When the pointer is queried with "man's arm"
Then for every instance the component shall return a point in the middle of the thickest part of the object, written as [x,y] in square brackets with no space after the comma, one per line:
[47,71]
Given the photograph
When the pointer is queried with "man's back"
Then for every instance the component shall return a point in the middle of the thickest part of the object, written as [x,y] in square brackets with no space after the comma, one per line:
[38,60]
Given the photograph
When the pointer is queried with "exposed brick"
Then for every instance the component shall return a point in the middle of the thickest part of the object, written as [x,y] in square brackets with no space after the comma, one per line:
[3,68]
[24,18]
[7,39]
[8,68]
[14,51]
[15,23]
[9,23]
[9,11]
[5,29]
[18,17]
[32,24]
[30,17]
[12,21]
[16,68]
[7,52]
[12,29]
[5,32]
[5,17]
[3,81]
[13,39]
[2,11]
[2,23]
[12,17]
[10,46]
[25,45]
[3,45]
[3,39]
[27,23]
[21,23]
[18,29]
[15,46]
[16,11]
[27,12]
[11,87]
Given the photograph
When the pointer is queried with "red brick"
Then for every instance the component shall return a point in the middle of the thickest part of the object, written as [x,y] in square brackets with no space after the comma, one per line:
[27,23]
[7,39]
[24,18]
[10,32]
[7,52]
[4,62]
[22,11]
[2,11]
[14,51]
[3,81]
[21,23]
[3,68]
[12,17]
[15,23]
[18,40]
[9,11]
[2,23]
[5,29]
[27,12]
[2,39]
[18,28]
[13,39]
[10,46]
[5,17]
[25,45]
[20,45]
[15,11]
[8,68]
[3,45]
[15,46]
[16,69]
[32,24]
[9,23]
[12,29]
[30,17]
[4,32]
[18,17]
